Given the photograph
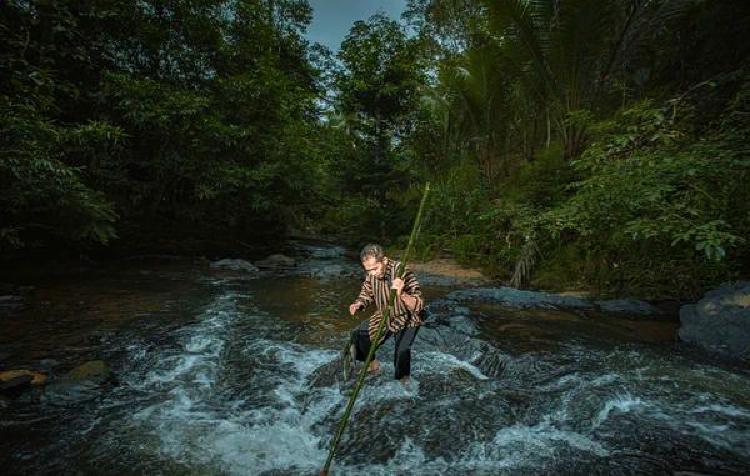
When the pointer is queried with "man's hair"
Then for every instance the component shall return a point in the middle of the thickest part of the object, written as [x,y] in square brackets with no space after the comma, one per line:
[372,251]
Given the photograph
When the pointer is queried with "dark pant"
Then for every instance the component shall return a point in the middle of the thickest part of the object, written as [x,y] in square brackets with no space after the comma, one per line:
[402,353]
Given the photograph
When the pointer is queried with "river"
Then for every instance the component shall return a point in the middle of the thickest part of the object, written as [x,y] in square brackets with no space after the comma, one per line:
[225,373]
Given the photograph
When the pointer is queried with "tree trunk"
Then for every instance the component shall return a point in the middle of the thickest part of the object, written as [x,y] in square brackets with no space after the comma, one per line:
[574,143]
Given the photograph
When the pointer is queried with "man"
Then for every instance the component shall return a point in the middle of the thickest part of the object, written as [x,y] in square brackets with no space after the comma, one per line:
[405,316]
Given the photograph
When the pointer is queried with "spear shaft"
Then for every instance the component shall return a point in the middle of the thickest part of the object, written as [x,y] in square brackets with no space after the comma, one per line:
[378,336]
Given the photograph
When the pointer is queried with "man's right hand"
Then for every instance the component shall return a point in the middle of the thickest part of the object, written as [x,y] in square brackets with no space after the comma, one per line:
[353,308]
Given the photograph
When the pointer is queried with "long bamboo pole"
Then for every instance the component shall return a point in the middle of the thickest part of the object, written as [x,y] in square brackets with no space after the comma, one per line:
[378,336]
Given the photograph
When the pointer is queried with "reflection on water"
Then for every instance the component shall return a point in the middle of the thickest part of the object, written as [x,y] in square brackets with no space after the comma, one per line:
[221,374]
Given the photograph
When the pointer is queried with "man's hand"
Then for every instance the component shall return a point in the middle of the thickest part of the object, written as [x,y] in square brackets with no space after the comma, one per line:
[398,285]
[353,308]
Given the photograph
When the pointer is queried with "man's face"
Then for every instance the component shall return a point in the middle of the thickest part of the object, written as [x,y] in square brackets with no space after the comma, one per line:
[373,267]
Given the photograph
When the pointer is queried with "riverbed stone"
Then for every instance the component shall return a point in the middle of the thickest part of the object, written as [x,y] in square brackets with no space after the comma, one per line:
[328,374]
[80,384]
[627,306]
[322,270]
[463,324]
[276,261]
[235,265]
[95,371]
[520,298]
[19,378]
[720,322]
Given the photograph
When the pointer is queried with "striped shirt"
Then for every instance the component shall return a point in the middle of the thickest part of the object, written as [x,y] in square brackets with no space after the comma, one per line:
[377,289]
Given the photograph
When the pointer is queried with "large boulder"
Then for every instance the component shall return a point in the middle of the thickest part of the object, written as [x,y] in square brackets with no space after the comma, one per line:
[720,321]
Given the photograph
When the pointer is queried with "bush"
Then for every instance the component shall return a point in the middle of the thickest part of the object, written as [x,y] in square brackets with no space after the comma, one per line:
[658,206]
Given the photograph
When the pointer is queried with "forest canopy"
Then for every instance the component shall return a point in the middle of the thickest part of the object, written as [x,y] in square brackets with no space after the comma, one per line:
[594,144]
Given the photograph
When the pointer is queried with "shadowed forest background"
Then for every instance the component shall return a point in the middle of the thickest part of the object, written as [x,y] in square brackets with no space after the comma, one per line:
[587,144]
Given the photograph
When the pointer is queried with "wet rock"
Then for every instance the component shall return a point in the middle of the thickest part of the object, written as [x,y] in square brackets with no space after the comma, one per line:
[463,324]
[538,299]
[95,371]
[518,298]
[528,367]
[451,383]
[235,265]
[492,363]
[369,442]
[17,379]
[458,414]
[327,375]
[720,322]
[82,383]
[324,270]
[440,337]
[627,306]
[321,251]
[276,261]
[441,310]
[330,270]
[429,338]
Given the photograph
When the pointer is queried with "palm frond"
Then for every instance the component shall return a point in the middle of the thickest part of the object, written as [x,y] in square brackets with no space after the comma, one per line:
[527,23]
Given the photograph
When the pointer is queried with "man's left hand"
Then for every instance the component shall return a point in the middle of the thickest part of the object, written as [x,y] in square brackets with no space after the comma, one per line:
[398,285]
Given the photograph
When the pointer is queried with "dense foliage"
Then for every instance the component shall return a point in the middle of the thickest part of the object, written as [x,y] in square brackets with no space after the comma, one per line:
[154,120]
[625,163]
[595,144]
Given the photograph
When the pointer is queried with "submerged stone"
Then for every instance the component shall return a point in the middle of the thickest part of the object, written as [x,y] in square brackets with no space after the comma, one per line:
[82,383]
[235,265]
[95,371]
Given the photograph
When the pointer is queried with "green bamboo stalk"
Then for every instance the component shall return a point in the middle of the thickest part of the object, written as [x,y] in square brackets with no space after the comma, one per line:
[378,336]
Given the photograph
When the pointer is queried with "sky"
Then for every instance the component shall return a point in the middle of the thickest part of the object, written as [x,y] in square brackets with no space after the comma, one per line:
[333,18]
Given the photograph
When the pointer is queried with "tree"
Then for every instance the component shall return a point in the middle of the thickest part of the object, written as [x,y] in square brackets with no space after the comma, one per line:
[378,84]
[380,79]
[154,118]
[572,47]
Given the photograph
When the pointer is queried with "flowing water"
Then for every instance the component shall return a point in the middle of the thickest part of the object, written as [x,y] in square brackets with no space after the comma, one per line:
[220,373]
